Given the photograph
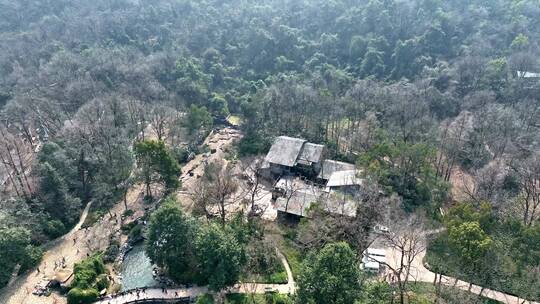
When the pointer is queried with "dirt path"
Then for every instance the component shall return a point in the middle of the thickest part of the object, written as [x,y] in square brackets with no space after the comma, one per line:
[73,247]
[218,142]
[78,243]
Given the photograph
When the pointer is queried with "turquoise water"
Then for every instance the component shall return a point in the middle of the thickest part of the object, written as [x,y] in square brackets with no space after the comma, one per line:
[137,269]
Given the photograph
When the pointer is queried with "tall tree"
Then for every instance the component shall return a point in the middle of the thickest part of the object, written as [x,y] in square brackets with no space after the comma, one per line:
[156,164]
[221,256]
[170,241]
[330,276]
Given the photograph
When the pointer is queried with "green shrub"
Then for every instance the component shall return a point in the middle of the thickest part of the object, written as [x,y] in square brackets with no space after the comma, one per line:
[102,282]
[293,255]
[279,278]
[136,231]
[82,296]
[126,228]
[276,298]
[181,155]
[111,252]
[87,271]
[253,144]
[128,212]
[54,228]
[205,299]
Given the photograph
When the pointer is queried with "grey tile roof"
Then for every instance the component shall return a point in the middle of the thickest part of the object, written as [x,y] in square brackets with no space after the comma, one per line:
[344,178]
[331,166]
[306,194]
[311,153]
[285,151]
[298,203]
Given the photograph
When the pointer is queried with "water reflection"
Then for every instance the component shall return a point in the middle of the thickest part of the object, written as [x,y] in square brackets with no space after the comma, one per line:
[137,269]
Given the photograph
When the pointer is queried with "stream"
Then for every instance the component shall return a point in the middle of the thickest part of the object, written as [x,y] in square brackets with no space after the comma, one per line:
[137,269]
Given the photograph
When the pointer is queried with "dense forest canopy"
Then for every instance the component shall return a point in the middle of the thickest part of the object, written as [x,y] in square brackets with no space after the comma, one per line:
[414,91]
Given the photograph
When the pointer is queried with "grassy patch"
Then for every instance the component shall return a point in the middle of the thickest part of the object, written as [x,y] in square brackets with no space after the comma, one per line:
[205,299]
[235,120]
[425,293]
[279,277]
[293,255]
[264,265]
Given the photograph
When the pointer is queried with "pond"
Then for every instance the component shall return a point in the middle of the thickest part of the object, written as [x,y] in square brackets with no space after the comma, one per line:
[137,269]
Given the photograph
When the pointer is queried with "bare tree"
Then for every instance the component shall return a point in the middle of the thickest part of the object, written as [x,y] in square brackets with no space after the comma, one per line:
[252,168]
[453,136]
[406,239]
[160,118]
[218,189]
[528,202]
[14,154]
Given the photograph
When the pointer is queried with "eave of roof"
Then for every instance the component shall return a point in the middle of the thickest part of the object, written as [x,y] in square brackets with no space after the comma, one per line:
[285,151]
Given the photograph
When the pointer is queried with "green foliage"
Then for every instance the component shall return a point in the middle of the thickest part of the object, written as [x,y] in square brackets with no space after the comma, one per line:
[197,118]
[405,168]
[128,212]
[268,298]
[332,274]
[191,252]
[469,241]
[263,264]
[377,293]
[482,248]
[294,257]
[89,278]
[252,144]
[54,228]
[220,255]
[218,105]
[170,241]
[16,248]
[191,82]
[156,164]
[82,296]
[135,232]
[205,299]
[57,200]
[467,212]
[520,42]
[111,252]
[87,271]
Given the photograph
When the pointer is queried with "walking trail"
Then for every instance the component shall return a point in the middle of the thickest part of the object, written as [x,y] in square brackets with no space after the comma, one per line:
[79,243]
[71,248]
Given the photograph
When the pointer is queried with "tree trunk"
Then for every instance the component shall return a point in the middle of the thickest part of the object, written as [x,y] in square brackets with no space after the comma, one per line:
[125,200]
[148,190]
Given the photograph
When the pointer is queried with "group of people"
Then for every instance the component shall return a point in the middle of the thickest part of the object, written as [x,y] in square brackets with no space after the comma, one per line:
[137,292]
